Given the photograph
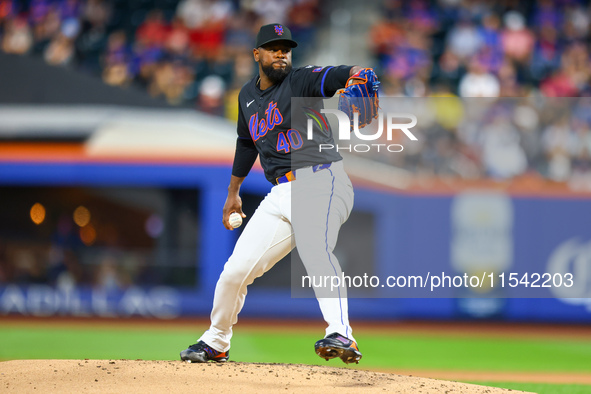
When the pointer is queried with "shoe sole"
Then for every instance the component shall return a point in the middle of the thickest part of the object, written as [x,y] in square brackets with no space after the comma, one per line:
[195,357]
[347,354]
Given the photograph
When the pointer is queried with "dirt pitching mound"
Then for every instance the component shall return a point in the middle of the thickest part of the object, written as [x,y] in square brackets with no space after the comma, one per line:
[139,376]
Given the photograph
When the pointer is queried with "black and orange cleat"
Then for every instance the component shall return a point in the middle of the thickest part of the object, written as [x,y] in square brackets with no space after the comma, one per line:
[201,352]
[337,345]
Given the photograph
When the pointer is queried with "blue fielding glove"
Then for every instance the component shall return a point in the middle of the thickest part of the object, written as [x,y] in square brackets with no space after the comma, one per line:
[361,95]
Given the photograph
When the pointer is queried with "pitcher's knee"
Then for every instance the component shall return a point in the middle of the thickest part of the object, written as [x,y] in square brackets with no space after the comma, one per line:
[317,254]
[237,274]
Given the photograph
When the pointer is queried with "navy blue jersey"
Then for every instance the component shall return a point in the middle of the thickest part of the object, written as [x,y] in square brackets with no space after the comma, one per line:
[266,127]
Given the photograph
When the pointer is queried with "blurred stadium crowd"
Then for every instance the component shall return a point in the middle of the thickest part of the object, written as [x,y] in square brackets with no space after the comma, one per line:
[505,49]
[484,48]
[526,139]
[194,52]
[198,53]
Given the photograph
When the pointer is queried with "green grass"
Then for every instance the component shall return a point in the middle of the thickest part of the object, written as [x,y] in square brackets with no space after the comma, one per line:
[540,388]
[400,351]
[431,352]
[488,354]
[77,343]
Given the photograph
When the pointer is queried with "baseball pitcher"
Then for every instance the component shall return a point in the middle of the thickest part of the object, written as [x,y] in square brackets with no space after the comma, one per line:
[265,130]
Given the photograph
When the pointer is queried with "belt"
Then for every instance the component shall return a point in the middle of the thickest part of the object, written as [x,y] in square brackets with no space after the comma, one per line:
[291,176]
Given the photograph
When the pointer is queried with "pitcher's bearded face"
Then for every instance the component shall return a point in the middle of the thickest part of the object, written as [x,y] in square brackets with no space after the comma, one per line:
[275,61]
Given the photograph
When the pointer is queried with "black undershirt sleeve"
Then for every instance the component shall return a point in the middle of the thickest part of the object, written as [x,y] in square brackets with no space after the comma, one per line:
[244,157]
[246,152]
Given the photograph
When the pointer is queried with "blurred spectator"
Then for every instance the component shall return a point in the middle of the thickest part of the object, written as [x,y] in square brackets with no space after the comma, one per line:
[502,155]
[302,20]
[7,10]
[527,121]
[69,9]
[39,10]
[177,38]
[578,20]
[170,81]
[464,39]
[144,63]
[422,17]
[559,143]
[92,39]
[270,11]
[63,269]
[517,39]
[28,268]
[17,37]
[197,14]
[241,32]
[243,68]
[508,81]
[117,48]
[384,36]
[546,14]
[60,51]
[117,60]
[211,95]
[410,58]
[116,73]
[108,276]
[47,27]
[154,30]
[96,12]
[478,82]
[573,76]
[489,32]
[582,151]
[448,70]
[546,53]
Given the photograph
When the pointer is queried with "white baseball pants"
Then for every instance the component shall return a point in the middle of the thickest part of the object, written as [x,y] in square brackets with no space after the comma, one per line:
[310,211]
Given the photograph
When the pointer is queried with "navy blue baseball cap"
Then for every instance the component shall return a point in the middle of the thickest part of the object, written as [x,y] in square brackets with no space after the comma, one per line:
[274,32]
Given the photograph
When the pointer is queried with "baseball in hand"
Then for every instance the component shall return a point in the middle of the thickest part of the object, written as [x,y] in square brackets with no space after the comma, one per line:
[235,220]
